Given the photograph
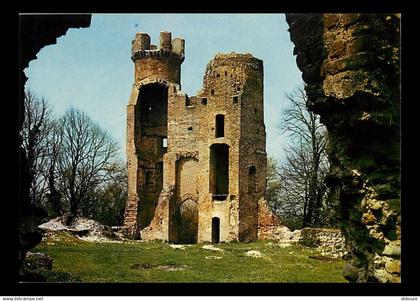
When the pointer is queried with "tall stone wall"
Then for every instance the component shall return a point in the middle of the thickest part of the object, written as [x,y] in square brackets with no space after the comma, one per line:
[350,63]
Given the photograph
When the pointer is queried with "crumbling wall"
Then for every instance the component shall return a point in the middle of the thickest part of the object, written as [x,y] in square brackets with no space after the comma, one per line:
[327,241]
[350,63]
[269,224]
[158,227]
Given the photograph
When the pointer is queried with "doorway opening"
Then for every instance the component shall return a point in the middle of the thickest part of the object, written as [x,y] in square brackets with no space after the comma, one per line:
[215,230]
[188,222]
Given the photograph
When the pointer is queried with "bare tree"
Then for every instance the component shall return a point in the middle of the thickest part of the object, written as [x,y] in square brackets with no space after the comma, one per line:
[50,172]
[36,128]
[272,193]
[106,203]
[85,156]
[302,191]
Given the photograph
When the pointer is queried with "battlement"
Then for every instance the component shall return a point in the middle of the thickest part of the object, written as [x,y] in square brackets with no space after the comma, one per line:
[168,47]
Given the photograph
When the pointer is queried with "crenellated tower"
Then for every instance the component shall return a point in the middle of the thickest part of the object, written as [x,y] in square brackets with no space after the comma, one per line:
[157,70]
[153,63]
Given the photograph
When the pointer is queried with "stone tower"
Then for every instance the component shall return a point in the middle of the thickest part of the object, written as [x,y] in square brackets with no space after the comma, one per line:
[157,70]
[197,165]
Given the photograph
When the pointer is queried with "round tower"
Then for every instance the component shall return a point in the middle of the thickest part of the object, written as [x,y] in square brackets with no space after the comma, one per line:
[153,63]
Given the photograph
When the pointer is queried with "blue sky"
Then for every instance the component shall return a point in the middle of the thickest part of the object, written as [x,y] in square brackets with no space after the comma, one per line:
[91,68]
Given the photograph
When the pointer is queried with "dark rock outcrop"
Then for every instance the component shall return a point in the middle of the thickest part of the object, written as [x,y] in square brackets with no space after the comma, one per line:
[351,65]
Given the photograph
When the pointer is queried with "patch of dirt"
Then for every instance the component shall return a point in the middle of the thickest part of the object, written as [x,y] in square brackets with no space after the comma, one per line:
[171,267]
[141,266]
[165,267]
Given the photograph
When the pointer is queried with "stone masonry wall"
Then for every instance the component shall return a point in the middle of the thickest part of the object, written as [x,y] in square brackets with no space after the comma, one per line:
[327,241]
[191,133]
[350,64]
[156,70]
[233,89]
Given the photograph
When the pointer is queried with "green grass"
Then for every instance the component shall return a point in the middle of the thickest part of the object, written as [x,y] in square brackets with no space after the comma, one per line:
[139,262]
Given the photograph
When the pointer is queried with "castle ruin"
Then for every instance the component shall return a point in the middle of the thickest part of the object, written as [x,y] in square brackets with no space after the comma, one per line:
[196,165]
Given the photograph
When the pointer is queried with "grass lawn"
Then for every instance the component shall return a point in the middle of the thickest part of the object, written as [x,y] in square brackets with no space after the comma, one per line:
[158,262]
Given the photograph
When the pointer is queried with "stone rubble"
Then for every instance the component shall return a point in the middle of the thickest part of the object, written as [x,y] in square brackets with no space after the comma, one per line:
[84,229]
[212,248]
[254,253]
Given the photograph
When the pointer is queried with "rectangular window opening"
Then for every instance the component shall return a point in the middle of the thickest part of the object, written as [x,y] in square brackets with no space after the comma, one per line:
[220,126]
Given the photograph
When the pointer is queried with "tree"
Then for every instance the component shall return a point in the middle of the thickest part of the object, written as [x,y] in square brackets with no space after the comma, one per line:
[272,194]
[53,196]
[106,204]
[113,197]
[84,160]
[301,189]
[36,128]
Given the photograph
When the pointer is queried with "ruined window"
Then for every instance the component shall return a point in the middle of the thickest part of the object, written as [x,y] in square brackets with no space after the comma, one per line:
[165,142]
[204,101]
[190,128]
[152,104]
[174,89]
[251,179]
[187,101]
[220,125]
[235,99]
[225,73]
[238,88]
[218,75]
[219,171]
[212,92]
[215,230]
